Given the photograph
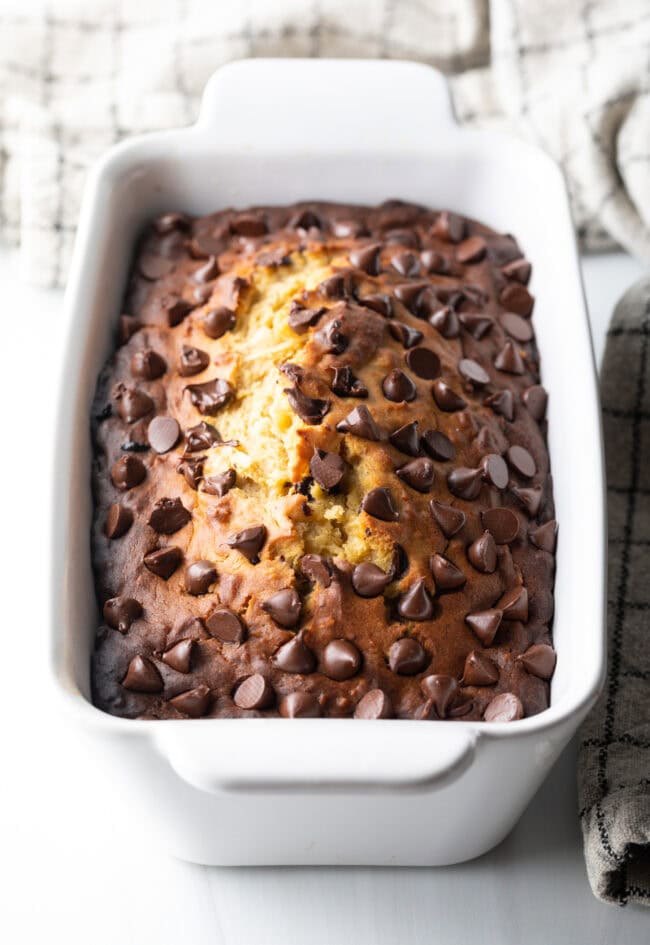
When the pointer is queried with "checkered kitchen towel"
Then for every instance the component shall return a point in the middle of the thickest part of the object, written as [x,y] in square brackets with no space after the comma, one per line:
[75,77]
[614,764]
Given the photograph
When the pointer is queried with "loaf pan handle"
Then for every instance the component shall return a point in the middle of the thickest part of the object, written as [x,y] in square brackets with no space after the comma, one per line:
[306,754]
[329,106]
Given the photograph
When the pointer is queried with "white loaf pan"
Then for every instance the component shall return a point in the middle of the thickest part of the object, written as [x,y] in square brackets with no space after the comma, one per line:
[331,791]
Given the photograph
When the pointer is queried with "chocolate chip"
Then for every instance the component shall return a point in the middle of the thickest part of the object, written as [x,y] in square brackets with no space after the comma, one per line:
[316,569]
[345,384]
[169,516]
[379,302]
[255,692]
[301,318]
[142,676]
[418,474]
[305,220]
[193,702]
[127,327]
[120,612]
[479,670]
[415,603]
[379,503]
[295,657]
[128,472]
[531,499]
[517,327]
[148,364]
[210,396]
[502,523]
[446,575]
[360,422]
[509,360]
[539,659]
[366,258]
[441,690]
[495,470]
[409,294]
[518,270]
[476,323]
[327,469]
[164,561]
[132,404]
[485,624]
[201,437]
[176,310]
[535,400]
[445,321]
[249,542]
[516,298]
[434,262]
[341,660]
[506,707]
[299,705]
[221,483]
[218,321]
[199,577]
[168,222]
[398,387]
[464,482]
[208,271]
[471,250]
[374,705]
[482,553]
[437,445]
[311,410]
[407,657]
[134,446]
[330,338]
[404,334]
[152,266]
[521,461]
[514,604]
[368,580]
[284,607]
[542,536]
[503,403]
[163,434]
[118,521]
[473,373]
[226,626]
[247,224]
[192,361]
[446,398]
[405,439]
[449,519]
[337,286]
[449,227]
[179,656]
[407,264]
[423,362]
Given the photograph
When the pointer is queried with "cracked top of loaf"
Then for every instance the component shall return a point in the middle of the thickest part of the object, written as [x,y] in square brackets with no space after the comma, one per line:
[320,475]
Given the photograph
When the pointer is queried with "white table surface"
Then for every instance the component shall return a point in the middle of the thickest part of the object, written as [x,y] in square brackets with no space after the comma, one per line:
[76,871]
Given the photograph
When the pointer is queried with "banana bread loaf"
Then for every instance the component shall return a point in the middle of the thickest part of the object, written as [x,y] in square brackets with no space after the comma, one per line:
[321,481]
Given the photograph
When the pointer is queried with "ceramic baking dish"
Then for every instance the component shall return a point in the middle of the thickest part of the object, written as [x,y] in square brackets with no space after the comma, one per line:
[330,791]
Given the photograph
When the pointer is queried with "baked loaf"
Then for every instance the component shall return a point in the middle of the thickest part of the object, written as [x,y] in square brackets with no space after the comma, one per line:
[321,481]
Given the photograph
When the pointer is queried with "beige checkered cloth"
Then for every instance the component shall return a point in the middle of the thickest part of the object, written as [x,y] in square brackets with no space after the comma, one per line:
[75,76]
[614,765]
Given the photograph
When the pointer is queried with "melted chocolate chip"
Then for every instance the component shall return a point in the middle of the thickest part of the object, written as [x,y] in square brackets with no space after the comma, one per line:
[506,707]
[132,404]
[118,521]
[407,336]
[423,362]
[249,542]
[163,434]
[164,561]
[482,553]
[299,705]
[316,569]
[539,660]
[521,461]
[218,321]
[225,625]
[169,516]
[330,338]
[374,705]
[179,656]
[201,437]
[485,624]
[142,676]
[199,577]
[379,503]
[360,422]
[255,692]
[406,439]
[368,580]
[340,660]
[398,387]
[148,365]
[295,657]
[301,318]
[193,702]
[128,472]
[418,474]
[210,396]
[284,607]
[446,398]
[464,482]
[449,519]
[345,384]
[479,670]
[502,523]
[221,483]
[503,403]
[120,612]
[407,657]
[327,469]
[446,575]
[437,445]
[176,309]
[415,603]
[192,361]
[311,410]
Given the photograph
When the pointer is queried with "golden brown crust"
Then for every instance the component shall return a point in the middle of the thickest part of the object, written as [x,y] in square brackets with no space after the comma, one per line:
[285,299]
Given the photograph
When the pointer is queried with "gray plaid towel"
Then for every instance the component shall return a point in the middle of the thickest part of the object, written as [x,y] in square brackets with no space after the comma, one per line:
[614,766]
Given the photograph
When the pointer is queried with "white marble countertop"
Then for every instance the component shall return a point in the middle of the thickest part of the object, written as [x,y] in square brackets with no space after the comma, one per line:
[76,871]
